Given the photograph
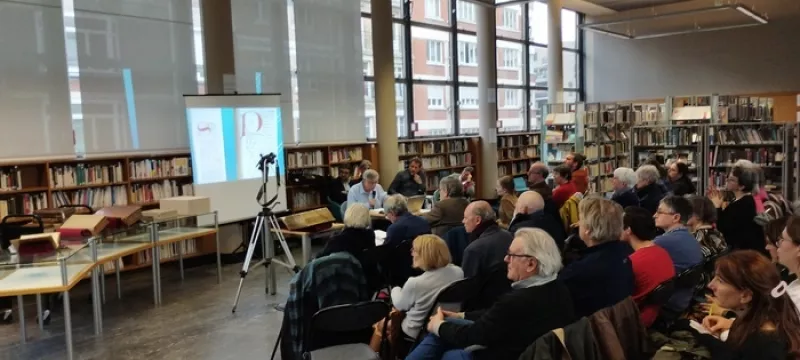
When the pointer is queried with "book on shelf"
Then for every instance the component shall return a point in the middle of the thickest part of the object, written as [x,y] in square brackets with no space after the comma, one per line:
[303,158]
[10,179]
[109,266]
[144,193]
[513,169]
[441,161]
[167,251]
[764,157]
[730,135]
[459,145]
[95,198]
[349,154]
[157,168]
[745,108]
[422,148]
[505,141]
[517,153]
[85,174]
[305,198]
[662,136]
[22,204]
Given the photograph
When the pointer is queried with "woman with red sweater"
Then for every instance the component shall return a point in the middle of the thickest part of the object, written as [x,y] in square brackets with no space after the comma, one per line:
[566,188]
[651,263]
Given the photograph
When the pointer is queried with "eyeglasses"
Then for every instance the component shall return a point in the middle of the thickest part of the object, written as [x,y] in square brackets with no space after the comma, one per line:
[518,255]
[659,212]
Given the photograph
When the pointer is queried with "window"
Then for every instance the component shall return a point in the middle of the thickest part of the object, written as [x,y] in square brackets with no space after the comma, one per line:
[511,113]
[510,18]
[538,20]
[399,92]
[467,53]
[511,58]
[436,97]
[368,68]
[538,65]
[570,60]
[435,49]
[538,101]
[399,50]
[369,91]
[433,9]
[511,99]
[468,113]
[468,97]
[465,11]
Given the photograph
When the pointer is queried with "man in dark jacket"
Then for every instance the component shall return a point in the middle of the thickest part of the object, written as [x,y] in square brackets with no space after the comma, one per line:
[538,303]
[405,226]
[623,182]
[409,182]
[339,186]
[488,243]
[648,189]
[530,213]
[537,180]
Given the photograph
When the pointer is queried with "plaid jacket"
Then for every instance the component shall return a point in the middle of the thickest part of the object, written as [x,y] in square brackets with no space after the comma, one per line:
[331,280]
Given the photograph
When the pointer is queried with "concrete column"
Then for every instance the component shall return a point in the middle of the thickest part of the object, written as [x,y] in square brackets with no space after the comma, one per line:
[218,43]
[385,101]
[487,99]
[555,61]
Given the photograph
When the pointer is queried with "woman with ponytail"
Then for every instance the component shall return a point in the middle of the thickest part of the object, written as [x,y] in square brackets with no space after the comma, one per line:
[767,324]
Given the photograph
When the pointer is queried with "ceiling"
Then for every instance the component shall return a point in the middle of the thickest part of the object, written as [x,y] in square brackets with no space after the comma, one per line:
[622,5]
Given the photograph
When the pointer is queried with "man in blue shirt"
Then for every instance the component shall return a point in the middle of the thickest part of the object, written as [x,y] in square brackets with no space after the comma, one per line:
[672,215]
[368,191]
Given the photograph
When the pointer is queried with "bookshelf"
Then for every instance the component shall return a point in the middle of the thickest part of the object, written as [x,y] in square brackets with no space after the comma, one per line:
[516,152]
[560,132]
[440,157]
[141,180]
[308,168]
[682,142]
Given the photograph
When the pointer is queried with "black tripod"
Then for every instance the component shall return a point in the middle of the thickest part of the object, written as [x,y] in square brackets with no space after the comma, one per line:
[265,220]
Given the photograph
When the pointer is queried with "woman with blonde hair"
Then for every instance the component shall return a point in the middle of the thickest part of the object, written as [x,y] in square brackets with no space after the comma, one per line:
[431,255]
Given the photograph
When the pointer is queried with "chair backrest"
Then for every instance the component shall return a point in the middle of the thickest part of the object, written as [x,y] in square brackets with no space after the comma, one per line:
[455,294]
[661,293]
[489,287]
[690,277]
[336,210]
[349,317]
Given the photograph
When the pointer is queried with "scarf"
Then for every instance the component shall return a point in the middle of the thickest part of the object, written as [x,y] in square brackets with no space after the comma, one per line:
[475,234]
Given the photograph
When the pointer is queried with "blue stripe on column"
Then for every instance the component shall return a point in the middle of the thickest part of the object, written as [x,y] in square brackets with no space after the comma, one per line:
[127,81]
[258,82]
[279,124]
[229,134]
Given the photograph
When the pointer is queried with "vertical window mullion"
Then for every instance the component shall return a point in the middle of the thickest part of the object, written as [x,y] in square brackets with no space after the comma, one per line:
[454,67]
[407,65]
[526,76]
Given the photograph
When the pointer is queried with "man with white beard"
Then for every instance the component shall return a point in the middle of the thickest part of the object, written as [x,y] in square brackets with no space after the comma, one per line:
[530,213]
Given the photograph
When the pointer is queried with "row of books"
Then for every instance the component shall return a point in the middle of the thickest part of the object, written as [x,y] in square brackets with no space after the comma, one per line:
[10,179]
[305,158]
[346,154]
[142,193]
[167,251]
[83,174]
[748,135]
[598,151]
[442,161]
[433,179]
[154,168]
[95,198]
[762,156]
[109,266]
[23,204]
[745,109]
[305,198]
[417,148]
[518,140]
[517,153]
[675,136]
[514,168]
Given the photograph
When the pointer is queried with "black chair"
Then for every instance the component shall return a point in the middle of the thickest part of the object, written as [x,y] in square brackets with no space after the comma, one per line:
[376,267]
[661,293]
[491,286]
[452,298]
[344,331]
[400,263]
[690,277]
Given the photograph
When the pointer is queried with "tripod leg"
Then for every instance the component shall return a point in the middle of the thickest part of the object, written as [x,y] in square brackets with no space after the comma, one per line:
[246,266]
[269,253]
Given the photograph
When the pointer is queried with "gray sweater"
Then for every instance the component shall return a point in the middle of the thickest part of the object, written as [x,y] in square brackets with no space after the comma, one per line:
[418,295]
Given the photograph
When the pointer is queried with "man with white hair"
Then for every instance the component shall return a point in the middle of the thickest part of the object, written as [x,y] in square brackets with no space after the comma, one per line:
[405,225]
[530,213]
[648,189]
[539,302]
[623,182]
[368,191]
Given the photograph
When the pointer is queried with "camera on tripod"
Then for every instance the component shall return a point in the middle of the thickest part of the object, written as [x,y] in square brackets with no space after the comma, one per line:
[266,160]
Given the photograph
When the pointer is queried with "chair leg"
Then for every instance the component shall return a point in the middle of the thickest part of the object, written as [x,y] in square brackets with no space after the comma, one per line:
[277,343]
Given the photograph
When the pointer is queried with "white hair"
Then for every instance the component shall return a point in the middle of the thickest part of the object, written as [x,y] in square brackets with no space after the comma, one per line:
[626,175]
[395,204]
[370,175]
[357,216]
[538,244]
[648,173]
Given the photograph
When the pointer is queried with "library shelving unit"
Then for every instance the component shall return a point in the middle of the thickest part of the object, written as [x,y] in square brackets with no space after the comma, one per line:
[320,161]
[516,152]
[142,180]
[560,129]
[680,142]
[441,157]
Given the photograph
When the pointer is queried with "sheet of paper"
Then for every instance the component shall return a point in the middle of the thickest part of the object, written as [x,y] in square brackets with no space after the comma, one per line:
[380,237]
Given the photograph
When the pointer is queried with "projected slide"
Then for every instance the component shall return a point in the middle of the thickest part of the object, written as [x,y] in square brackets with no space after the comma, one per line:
[258,133]
[208,145]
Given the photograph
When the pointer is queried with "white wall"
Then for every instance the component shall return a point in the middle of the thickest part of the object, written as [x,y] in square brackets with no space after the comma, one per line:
[748,60]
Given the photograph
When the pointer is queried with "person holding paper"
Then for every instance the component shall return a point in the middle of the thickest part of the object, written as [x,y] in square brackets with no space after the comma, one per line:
[367,192]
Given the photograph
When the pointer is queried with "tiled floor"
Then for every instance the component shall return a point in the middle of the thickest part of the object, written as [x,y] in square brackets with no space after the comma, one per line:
[194,321]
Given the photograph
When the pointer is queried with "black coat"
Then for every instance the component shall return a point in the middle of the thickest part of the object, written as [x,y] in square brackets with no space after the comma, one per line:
[650,196]
[486,252]
[683,186]
[602,277]
[514,322]
[542,220]
[626,198]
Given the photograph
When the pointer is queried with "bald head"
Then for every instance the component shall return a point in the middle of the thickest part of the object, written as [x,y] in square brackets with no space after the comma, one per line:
[476,213]
[538,172]
[529,202]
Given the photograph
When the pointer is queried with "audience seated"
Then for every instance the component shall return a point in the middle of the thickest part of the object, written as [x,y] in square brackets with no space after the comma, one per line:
[648,189]
[623,183]
[488,243]
[678,178]
[327,281]
[405,226]
[651,264]
[565,188]
[603,275]
[773,235]
[449,211]
[368,191]
[537,178]
[508,200]
[736,219]
[711,241]
[767,324]
[340,186]
[788,252]
[672,215]
[356,235]
[466,181]
[363,166]
[419,293]
[538,303]
[578,174]
[530,212]
[409,182]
